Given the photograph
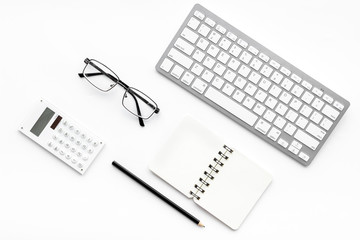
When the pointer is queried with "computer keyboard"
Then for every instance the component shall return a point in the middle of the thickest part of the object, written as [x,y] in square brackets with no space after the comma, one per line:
[252,85]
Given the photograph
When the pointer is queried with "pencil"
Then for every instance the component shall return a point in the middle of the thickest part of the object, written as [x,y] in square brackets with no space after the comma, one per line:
[158,194]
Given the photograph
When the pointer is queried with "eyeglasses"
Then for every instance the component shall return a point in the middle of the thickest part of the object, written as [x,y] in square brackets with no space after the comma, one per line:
[104,79]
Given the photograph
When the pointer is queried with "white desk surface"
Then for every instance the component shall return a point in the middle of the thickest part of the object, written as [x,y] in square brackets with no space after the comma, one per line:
[42,49]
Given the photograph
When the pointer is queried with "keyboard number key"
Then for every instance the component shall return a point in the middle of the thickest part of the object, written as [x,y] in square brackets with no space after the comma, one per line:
[214,37]
[202,44]
[245,57]
[204,30]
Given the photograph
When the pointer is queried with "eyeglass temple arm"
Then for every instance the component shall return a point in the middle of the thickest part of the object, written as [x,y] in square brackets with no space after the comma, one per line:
[141,121]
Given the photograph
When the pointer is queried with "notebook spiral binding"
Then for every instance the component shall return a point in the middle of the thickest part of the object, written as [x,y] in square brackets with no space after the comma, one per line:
[209,174]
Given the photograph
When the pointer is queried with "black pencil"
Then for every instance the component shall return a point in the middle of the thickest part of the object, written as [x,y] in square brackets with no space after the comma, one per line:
[154,191]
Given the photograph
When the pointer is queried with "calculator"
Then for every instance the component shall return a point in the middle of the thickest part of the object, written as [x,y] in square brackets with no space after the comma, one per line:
[62,136]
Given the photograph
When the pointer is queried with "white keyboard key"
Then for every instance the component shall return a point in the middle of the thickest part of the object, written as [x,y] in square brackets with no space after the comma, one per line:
[275,91]
[279,122]
[204,30]
[296,78]
[260,96]
[199,15]
[255,64]
[253,50]
[317,92]
[271,102]
[184,46]
[166,65]
[234,64]
[187,78]
[317,104]
[276,77]
[214,37]
[221,29]
[262,126]
[338,105]
[287,84]
[219,69]
[238,96]
[228,89]
[245,57]
[244,71]
[285,71]
[231,106]
[254,77]
[283,143]
[209,62]
[202,44]
[297,90]
[232,36]
[250,89]
[235,50]
[326,124]
[177,71]
[274,64]
[189,35]
[259,109]
[304,156]
[290,129]
[302,122]
[293,149]
[207,76]
[316,117]
[306,110]
[210,22]
[291,116]
[193,23]
[265,84]
[198,55]
[266,70]
[224,43]
[218,82]
[240,82]
[307,97]
[296,144]
[306,139]
[328,99]
[281,109]
[242,43]
[330,112]
[264,57]
[274,134]
[285,97]
[180,58]
[315,131]
[223,57]
[295,104]
[249,102]
[269,115]
[213,51]
[306,84]
[197,69]
[199,86]
[230,75]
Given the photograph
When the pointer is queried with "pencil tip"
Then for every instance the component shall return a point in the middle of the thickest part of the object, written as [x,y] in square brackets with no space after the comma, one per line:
[201,225]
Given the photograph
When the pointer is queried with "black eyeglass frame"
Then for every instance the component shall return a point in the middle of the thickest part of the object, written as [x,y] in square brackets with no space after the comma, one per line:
[127,88]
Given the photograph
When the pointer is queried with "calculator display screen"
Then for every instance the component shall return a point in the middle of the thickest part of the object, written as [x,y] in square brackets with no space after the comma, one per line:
[42,122]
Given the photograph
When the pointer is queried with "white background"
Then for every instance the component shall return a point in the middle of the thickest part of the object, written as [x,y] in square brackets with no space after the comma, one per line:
[42,48]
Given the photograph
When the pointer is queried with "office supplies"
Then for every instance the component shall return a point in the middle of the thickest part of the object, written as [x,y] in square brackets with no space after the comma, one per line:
[62,136]
[158,194]
[218,177]
[104,79]
[252,85]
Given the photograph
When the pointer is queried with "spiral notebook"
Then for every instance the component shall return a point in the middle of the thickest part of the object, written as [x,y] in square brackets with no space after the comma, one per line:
[216,176]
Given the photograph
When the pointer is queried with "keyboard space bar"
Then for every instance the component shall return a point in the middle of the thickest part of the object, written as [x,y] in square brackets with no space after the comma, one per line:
[231,106]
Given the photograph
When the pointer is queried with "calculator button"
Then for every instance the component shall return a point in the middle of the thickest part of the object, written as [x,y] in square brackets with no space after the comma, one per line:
[80,165]
[67,145]
[56,148]
[78,154]
[83,136]
[71,127]
[65,123]
[95,144]
[66,134]
[90,150]
[68,156]
[50,144]
[89,140]
[61,141]
[78,142]
[60,130]
[74,161]
[77,131]
[72,139]
[85,158]
[84,146]
[55,137]
[61,152]
[73,150]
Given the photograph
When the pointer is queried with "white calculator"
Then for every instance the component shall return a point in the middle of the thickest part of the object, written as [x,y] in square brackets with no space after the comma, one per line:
[62,136]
